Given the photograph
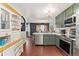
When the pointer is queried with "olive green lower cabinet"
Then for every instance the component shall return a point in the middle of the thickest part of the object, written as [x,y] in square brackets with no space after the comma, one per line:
[49,40]
[57,40]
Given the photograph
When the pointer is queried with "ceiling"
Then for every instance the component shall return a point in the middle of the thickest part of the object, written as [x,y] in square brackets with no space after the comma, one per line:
[40,10]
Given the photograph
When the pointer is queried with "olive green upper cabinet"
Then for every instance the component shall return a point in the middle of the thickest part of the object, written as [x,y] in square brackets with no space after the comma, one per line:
[69,12]
[75,7]
[60,20]
[57,22]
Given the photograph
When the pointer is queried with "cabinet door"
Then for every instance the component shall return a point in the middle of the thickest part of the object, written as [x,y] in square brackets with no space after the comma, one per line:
[58,25]
[39,39]
[46,39]
[75,7]
[9,52]
[57,41]
[49,40]
[62,18]
[52,40]
[69,12]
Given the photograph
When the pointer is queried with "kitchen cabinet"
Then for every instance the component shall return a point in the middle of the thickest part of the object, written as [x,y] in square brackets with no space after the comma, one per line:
[75,7]
[58,25]
[49,40]
[57,40]
[52,39]
[69,12]
[60,20]
[38,39]
[46,39]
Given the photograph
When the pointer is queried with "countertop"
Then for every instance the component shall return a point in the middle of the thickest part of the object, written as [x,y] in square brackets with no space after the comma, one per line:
[53,33]
[48,33]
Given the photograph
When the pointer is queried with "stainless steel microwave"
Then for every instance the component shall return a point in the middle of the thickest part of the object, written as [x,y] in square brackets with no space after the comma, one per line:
[70,21]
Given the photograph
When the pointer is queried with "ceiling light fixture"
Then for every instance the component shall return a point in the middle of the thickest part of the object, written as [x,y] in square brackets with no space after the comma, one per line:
[52,10]
[49,11]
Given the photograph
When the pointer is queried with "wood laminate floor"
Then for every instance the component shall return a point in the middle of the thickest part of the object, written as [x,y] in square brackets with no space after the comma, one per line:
[32,50]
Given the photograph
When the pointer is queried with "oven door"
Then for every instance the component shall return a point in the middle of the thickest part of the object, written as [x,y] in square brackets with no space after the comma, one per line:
[65,47]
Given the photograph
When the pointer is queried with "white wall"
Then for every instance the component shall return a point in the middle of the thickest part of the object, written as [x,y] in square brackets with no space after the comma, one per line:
[38,21]
[77,30]
[52,22]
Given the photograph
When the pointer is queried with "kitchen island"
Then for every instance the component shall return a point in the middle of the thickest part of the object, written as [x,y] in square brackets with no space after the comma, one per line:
[45,38]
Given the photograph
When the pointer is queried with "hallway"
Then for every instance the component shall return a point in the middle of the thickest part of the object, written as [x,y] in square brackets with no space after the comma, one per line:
[31,50]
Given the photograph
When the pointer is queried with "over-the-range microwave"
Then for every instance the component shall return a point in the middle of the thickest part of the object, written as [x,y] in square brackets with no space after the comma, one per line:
[70,21]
